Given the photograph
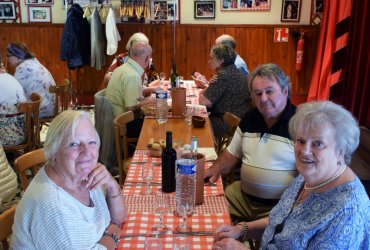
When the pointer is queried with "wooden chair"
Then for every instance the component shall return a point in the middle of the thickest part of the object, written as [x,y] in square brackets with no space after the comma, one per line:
[123,142]
[31,160]
[6,222]
[61,100]
[233,122]
[31,110]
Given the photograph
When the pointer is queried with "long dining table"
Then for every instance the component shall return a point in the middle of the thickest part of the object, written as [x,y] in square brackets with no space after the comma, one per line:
[141,216]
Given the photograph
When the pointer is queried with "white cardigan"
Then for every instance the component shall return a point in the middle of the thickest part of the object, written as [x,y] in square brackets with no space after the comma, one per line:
[8,179]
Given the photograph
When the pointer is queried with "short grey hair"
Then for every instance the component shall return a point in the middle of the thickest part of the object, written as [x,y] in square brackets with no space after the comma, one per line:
[226,40]
[137,37]
[140,49]
[62,129]
[225,53]
[311,115]
[272,72]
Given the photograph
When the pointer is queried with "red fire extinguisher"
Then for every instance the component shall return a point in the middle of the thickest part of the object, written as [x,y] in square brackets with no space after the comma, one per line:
[300,51]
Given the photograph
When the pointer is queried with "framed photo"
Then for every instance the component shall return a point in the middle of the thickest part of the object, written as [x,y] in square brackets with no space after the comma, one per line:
[318,7]
[7,10]
[204,9]
[245,5]
[165,10]
[291,11]
[39,2]
[39,14]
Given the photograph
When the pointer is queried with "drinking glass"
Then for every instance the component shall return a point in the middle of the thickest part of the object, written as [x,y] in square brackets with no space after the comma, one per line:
[147,173]
[181,243]
[152,243]
[161,206]
[185,207]
[188,114]
[162,77]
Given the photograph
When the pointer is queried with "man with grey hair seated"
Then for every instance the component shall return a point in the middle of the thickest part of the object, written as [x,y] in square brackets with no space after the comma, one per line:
[124,90]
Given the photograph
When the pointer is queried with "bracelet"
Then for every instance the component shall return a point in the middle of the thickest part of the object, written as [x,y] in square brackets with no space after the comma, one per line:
[118,225]
[115,196]
[112,235]
[243,238]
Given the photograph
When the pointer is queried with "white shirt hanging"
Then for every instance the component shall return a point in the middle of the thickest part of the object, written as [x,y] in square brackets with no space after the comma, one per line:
[112,33]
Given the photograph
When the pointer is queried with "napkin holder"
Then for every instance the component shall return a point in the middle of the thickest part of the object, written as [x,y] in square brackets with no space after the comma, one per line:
[199,186]
[178,100]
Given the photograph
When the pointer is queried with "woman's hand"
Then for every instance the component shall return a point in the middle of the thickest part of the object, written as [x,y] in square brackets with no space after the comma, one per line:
[227,231]
[228,244]
[100,176]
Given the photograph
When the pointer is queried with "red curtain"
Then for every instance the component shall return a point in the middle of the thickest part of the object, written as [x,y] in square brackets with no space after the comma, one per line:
[322,79]
[355,90]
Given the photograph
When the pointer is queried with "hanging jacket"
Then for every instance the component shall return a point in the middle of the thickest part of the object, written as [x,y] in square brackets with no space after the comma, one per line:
[97,41]
[76,39]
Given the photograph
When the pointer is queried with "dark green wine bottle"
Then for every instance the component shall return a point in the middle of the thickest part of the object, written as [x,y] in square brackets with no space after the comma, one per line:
[173,76]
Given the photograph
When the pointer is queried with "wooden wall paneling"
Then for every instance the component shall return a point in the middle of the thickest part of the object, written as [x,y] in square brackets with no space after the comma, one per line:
[193,43]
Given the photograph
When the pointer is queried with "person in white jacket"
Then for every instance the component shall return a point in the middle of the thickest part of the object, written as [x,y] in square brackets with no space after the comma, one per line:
[8,181]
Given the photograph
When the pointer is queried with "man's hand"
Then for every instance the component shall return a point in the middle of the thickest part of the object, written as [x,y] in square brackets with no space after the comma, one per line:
[212,174]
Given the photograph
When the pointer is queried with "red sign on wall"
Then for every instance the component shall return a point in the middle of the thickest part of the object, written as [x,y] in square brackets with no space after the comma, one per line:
[281,35]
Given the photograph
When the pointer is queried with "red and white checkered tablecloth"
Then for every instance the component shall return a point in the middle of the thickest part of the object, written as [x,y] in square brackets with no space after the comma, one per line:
[134,184]
[144,203]
[142,222]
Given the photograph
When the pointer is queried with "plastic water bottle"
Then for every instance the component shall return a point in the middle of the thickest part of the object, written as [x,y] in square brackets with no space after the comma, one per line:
[161,105]
[186,168]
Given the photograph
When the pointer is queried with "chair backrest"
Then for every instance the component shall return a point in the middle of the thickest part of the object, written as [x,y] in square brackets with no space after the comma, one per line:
[232,121]
[6,222]
[61,96]
[105,128]
[31,109]
[31,160]
[122,141]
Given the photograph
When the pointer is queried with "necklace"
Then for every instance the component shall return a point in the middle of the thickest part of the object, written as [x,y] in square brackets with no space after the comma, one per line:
[325,182]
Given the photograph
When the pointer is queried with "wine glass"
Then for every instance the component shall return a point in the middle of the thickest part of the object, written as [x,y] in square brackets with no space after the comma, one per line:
[147,173]
[181,243]
[187,111]
[185,207]
[161,205]
[152,243]
[162,76]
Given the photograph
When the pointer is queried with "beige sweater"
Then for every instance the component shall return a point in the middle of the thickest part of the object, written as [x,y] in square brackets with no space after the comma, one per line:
[8,179]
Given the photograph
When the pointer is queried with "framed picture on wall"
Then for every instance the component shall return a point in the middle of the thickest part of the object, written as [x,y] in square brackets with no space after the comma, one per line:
[318,7]
[204,9]
[291,10]
[7,10]
[164,10]
[41,2]
[39,14]
[245,5]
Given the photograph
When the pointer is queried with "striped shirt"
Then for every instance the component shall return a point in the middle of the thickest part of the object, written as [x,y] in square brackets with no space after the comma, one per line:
[268,164]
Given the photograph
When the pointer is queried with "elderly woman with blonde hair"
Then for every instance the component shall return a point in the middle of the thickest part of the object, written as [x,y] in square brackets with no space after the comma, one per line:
[326,206]
[73,202]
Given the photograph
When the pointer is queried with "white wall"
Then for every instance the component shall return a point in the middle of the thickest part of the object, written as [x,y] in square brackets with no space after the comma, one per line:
[187,13]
